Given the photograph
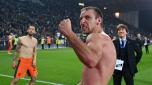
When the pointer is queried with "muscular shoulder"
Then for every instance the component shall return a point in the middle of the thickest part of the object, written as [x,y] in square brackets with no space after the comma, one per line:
[100,38]
[22,37]
[105,37]
[99,41]
[35,40]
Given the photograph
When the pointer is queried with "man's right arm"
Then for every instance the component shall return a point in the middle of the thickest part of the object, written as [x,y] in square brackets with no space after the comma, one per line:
[15,53]
[88,53]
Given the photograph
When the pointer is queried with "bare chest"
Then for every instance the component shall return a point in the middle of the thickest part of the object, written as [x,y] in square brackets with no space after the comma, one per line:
[27,43]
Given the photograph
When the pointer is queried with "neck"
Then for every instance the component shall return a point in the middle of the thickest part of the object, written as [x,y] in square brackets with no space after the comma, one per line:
[98,30]
[123,37]
[30,36]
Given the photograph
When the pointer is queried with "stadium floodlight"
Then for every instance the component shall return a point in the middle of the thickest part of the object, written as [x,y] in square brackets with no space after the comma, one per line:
[81,4]
[117,14]
[105,8]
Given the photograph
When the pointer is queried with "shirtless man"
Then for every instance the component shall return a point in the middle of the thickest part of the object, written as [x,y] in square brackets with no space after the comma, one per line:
[26,48]
[98,53]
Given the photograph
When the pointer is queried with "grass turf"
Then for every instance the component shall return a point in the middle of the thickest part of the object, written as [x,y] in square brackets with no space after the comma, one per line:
[63,67]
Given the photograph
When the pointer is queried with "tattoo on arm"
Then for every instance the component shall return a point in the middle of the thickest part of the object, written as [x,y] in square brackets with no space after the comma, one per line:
[17,50]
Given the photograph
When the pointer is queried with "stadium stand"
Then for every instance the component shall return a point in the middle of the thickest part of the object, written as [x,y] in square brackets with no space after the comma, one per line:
[45,14]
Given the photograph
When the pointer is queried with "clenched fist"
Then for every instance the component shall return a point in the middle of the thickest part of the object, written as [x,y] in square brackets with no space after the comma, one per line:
[65,27]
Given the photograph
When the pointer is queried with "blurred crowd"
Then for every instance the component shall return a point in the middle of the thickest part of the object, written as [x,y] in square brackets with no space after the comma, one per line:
[15,15]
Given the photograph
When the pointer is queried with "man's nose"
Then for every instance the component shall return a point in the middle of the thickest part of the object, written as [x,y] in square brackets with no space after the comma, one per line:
[120,30]
[82,20]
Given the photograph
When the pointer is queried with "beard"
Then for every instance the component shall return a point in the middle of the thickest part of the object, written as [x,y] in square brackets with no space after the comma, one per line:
[30,34]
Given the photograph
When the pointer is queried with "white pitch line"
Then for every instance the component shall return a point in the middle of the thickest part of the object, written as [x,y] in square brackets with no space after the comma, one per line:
[29,79]
[2,51]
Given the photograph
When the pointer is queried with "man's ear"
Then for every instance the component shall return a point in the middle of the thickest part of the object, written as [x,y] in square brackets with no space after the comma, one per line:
[99,21]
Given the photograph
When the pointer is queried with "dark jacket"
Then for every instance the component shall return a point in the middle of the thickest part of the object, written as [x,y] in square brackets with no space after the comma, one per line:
[134,54]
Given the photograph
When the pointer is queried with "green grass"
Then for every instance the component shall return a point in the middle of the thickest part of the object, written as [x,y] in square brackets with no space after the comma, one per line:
[62,66]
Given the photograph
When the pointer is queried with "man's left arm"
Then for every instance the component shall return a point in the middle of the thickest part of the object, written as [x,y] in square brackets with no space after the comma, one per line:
[138,52]
[35,54]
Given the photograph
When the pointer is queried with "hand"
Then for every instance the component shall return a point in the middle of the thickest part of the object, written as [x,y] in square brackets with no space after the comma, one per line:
[14,65]
[65,27]
[34,64]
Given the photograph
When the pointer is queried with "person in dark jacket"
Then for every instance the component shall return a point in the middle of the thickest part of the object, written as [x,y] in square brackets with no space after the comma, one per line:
[128,56]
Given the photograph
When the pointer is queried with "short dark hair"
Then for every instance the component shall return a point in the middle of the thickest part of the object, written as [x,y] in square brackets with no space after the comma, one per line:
[97,10]
[122,26]
[27,27]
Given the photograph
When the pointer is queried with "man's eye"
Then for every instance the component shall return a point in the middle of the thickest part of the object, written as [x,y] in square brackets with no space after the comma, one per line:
[87,17]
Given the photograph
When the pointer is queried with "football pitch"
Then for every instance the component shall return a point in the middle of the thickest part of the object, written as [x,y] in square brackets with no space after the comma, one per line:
[62,67]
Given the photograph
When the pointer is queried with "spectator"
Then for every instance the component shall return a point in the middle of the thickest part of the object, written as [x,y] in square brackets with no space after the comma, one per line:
[127,60]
